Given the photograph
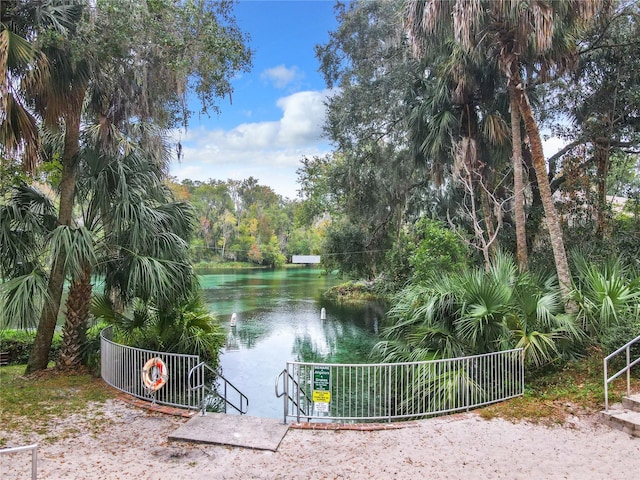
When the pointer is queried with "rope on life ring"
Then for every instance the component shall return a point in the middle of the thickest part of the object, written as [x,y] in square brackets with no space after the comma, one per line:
[154,374]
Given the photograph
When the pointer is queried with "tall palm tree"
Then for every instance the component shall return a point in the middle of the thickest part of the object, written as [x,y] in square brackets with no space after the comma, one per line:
[458,117]
[25,70]
[531,36]
[110,79]
[139,235]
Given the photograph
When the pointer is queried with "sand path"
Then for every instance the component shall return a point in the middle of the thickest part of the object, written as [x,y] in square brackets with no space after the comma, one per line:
[129,443]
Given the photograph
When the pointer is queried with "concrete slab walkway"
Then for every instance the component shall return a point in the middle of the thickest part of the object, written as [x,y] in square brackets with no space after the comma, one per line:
[235,430]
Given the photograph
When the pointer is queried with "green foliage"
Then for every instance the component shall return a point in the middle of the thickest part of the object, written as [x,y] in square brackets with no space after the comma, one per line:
[626,236]
[18,343]
[435,248]
[186,328]
[477,311]
[346,250]
[607,295]
[271,254]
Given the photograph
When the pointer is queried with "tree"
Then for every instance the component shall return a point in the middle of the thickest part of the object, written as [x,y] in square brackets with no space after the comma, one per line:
[525,37]
[113,71]
[135,226]
[598,105]
[372,176]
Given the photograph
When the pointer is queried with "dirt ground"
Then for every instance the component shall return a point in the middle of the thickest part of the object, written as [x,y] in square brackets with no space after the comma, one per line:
[120,441]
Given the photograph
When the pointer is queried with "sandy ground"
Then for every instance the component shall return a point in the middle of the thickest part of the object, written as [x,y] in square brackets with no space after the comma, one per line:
[126,442]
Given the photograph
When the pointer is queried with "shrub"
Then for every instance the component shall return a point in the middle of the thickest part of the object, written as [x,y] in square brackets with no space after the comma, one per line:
[18,344]
[436,249]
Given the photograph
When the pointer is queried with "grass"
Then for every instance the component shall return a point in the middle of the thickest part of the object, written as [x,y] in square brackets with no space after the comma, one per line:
[576,388]
[33,404]
[38,404]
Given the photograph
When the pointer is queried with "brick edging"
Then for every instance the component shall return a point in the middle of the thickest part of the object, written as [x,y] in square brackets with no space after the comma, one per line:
[362,427]
[147,405]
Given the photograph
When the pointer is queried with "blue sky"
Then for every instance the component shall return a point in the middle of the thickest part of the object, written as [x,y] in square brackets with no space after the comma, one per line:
[277,111]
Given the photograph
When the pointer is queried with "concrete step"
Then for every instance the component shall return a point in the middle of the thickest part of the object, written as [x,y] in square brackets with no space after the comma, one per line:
[234,430]
[624,418]
[632,402]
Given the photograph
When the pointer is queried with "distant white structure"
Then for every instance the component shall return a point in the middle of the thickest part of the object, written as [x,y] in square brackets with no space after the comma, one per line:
[323,314]
[305,259]
[232,323]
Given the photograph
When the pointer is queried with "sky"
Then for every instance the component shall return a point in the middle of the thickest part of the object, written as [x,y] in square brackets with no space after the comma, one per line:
[277,109]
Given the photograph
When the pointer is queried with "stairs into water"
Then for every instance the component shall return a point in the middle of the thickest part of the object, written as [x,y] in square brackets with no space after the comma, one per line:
[624,416]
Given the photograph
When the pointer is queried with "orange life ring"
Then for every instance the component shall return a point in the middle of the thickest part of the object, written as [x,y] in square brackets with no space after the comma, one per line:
[154,374]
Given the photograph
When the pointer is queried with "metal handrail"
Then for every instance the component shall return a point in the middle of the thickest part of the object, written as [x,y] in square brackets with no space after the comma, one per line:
[297,404]
[228,388]
[34,456]
[627,369]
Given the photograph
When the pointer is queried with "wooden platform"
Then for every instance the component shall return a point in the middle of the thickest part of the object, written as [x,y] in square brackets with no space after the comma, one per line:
[235,430]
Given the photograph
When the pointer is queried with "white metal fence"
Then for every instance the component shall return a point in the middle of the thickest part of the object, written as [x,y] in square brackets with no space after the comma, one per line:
[361,392]
[121,367]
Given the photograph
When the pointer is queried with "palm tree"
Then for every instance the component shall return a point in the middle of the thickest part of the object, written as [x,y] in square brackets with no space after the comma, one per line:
[522,37]
[111,79]
[25,70]
[27,220]
[139,235]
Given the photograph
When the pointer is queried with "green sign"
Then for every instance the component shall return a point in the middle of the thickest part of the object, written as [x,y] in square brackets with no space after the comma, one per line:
[321,384]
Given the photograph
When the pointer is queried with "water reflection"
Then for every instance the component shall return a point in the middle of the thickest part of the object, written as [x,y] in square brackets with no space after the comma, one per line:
[278,320]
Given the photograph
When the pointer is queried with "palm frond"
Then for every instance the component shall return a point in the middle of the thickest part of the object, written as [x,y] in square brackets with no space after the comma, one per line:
[23,299]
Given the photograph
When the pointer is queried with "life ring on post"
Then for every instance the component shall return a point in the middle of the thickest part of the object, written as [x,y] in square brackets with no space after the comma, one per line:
[154,374]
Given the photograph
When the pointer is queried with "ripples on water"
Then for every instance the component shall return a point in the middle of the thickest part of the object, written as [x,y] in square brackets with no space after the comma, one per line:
[278,320]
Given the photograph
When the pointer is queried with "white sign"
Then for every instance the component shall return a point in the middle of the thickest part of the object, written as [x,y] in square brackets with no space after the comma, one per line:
[305,259]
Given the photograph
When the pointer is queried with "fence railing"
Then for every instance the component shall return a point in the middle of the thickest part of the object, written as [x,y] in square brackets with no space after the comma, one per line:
[368,392]
[629,364]
[121,367]
[34,456]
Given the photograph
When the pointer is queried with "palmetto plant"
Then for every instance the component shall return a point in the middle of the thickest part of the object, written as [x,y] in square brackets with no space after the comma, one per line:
[186,328]
[478,311]
[606,294]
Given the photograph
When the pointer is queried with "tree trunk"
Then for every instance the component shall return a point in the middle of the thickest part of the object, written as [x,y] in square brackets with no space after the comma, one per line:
[602,164]
[74,333]
[39,356]
[518,184]
[551,215]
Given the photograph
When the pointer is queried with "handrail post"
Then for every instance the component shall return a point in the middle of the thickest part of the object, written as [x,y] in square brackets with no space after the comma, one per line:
[34,463]
[628,370]
[606,386]
[285,400]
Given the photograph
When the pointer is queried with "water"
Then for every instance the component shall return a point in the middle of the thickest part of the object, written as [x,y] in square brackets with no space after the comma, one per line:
[278,320]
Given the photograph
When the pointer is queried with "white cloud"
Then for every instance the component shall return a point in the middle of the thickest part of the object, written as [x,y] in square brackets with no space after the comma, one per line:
[281,76]
[303,117]
[269,151]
